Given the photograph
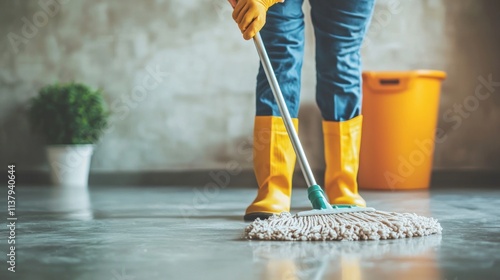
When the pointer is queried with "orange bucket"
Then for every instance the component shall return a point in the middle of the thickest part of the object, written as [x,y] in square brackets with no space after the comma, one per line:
[400,112]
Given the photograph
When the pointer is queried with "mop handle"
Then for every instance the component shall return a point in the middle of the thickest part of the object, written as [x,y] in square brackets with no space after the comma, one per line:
[278,95]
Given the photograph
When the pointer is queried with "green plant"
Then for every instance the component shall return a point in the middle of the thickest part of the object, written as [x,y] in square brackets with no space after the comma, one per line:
[70,113]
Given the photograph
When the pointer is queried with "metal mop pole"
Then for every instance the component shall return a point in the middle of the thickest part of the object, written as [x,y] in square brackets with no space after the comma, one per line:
[315,193]
[278,95]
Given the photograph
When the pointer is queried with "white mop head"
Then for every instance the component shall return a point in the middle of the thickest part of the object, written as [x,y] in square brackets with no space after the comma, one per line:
[372,225]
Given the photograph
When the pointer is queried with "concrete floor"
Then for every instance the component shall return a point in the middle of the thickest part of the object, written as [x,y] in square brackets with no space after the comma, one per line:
[196,233]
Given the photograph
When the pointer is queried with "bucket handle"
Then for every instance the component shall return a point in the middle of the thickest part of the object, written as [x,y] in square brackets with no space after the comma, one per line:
[387,82]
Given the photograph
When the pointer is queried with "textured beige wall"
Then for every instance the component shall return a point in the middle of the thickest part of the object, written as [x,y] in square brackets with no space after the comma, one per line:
[196,108]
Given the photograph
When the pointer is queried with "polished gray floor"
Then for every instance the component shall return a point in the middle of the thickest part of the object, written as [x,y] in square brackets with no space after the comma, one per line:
[196,233]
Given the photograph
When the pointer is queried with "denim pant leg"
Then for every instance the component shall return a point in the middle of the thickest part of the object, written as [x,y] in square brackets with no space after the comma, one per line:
[283,36]
[339,27]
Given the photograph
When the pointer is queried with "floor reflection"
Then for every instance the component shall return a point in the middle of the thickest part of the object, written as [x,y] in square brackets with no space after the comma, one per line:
[415,201]
[71,203]
[348,260]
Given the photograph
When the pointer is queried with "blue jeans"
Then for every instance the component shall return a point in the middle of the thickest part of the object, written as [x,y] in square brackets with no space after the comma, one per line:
[339,28]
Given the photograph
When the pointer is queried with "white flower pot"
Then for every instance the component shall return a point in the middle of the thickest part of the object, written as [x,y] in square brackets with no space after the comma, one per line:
[69,164]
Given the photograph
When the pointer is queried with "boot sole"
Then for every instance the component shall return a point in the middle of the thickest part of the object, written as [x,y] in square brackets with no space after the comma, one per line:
[253,216]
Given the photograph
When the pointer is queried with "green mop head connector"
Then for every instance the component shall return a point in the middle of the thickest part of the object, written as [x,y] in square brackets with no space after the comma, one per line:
[317,197]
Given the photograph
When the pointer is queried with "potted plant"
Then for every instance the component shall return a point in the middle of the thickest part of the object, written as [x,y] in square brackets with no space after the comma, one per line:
[71,118]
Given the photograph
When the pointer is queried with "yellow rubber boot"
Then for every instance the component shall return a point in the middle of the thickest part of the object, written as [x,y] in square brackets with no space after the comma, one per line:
[342,142]
[274,163]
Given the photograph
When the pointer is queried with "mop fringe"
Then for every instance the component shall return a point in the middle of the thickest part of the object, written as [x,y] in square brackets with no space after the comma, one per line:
[374,225]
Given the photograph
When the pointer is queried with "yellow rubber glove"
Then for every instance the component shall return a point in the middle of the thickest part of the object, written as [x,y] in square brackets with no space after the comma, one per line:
[250,15]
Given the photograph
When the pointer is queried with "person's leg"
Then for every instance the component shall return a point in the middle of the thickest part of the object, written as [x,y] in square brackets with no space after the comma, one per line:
[340,27]
[274,158]
[283,37]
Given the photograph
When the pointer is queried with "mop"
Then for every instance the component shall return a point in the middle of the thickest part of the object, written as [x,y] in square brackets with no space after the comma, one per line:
[325,221]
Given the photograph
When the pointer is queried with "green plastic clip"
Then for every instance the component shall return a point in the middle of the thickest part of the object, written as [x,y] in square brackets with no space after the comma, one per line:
[344,206]
[317,198]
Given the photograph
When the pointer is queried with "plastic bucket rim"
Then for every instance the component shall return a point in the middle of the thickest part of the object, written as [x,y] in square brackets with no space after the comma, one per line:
[428,73]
